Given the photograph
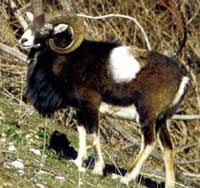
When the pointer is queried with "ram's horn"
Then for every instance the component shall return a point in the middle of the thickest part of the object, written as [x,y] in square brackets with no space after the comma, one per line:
[76,23]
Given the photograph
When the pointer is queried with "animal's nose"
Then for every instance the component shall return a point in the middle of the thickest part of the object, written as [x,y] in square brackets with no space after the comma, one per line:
[23,40]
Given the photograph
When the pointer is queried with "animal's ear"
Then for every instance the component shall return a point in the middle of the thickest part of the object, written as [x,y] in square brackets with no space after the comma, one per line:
[30,16]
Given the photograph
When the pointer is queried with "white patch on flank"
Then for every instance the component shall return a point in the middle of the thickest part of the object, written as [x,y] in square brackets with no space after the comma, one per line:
[123,66]
[181,90]
[27,39]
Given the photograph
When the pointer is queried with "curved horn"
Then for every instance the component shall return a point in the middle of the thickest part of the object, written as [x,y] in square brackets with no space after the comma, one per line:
[77,25]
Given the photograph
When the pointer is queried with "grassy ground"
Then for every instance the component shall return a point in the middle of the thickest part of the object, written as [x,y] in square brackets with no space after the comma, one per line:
[24,135]
[24,141]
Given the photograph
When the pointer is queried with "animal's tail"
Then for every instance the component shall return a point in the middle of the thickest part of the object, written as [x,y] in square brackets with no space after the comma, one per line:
[182,42]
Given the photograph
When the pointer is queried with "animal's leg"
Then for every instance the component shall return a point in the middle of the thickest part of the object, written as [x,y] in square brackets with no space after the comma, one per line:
[82,152]
[167,151]
[99,162]
[89,117]
[147,145]
[91,121]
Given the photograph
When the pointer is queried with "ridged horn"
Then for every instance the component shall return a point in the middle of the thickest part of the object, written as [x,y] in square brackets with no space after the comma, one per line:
[76,23]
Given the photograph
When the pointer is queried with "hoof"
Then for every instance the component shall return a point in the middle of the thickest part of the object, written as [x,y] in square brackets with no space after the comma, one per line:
[78,163]
[170,185]
[125,180]
[81,169]
[98,169]
[115,176]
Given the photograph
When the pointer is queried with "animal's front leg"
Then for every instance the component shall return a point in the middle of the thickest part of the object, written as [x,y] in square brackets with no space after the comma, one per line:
[99,162]
[89,117]
[82,152]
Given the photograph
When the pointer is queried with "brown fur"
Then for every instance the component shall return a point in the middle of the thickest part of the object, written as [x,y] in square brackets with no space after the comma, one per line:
[81,79]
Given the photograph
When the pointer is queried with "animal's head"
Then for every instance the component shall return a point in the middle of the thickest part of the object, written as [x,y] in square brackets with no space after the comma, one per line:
[63,32]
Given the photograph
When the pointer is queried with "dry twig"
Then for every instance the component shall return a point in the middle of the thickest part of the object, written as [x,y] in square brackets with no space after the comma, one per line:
[14,52]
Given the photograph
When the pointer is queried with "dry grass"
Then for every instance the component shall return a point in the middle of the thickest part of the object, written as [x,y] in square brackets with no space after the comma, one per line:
[159,24]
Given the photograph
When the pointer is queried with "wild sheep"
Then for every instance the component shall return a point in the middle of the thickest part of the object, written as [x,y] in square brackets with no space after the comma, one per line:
[86,73]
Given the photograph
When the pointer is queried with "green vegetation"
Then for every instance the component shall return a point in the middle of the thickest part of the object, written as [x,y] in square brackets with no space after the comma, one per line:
[47,169]
[26,161]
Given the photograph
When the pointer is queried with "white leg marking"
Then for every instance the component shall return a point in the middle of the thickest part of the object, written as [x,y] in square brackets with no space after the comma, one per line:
[137,164]
[181,90]
[169,165]
[99,163]
[82,153]
[168,157]
[123,66]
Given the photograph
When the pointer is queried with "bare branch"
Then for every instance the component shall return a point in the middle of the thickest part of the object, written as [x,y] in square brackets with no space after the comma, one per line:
[190,182]
[115,124]
[187,162]
[186,117]
[18,15]
[120,16]
[14,52]
[191,175]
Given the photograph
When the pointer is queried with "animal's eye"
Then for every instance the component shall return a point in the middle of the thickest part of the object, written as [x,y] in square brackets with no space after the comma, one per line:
[46,29]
